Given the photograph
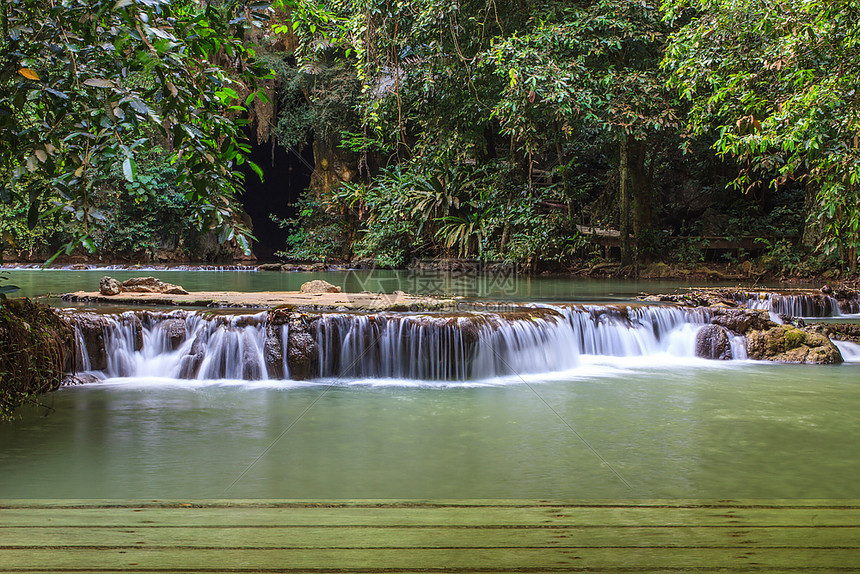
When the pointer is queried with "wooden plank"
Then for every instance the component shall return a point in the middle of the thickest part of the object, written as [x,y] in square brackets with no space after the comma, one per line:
[555,516]
[509,559]
[454,536]
[428,537]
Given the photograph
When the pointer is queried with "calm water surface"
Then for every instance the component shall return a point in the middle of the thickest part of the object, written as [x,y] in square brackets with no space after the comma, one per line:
[515,287]
[620,428]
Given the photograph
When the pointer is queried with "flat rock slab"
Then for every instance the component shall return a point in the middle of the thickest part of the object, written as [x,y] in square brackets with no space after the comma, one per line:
[273,299]
[469,536]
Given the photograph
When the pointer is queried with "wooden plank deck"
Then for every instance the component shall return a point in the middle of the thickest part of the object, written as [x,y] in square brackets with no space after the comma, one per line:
[407,537]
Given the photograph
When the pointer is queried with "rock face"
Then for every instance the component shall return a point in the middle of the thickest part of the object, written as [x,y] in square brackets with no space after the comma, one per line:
[151,285]
[110,286]
[190,365]
[92,328]
[741,320]
[319,286]
[273,352]
[787,344]
[712,342]
[302,351]
[270,267]
[838,331]
[174,330]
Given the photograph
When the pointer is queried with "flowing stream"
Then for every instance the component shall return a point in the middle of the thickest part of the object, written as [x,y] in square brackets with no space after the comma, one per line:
[582,396]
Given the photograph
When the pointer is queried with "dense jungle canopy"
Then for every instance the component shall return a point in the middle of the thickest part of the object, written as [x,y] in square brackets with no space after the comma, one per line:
[501,130]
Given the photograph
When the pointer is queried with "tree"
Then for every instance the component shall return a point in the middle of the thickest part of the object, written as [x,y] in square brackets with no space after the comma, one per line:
[85,84]
[776,82]
[592,66]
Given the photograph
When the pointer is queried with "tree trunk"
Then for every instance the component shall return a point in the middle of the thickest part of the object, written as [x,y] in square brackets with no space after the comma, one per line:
[624,198]
[640,184]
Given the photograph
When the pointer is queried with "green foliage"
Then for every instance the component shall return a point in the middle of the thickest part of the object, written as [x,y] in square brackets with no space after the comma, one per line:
[776,82]
[86,85]
[317,234]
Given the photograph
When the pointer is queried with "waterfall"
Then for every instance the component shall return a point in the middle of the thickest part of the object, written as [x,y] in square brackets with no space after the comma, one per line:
[181,345]
[850,351]
[465,346]
[488,345]
[800,305]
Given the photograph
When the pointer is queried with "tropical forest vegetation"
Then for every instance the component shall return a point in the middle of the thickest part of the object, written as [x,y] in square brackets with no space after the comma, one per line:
[552,135]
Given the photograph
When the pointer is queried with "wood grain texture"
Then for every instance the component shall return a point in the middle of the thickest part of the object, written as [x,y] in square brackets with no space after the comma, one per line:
[452,536]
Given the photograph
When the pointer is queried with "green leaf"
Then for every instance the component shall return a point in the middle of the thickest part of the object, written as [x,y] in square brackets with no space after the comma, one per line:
[256,168]
[129,169]
[33,215]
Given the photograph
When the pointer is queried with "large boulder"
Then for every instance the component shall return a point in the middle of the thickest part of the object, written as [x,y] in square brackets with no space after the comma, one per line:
[151,285]
[741,321]
[713,342]
[788,344]
[319,286]
[110,286]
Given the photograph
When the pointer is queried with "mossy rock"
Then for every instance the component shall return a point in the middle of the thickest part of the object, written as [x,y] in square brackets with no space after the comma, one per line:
[788,344]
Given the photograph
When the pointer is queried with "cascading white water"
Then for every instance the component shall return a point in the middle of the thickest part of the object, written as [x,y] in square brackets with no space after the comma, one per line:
[442,347]
[850,351]
[487,345]
[799,305]
[184,345]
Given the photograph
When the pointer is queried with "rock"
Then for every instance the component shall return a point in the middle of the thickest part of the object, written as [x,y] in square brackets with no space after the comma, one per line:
[137,331]
[273,352]
[92,328]
[302,351]
[787,344]
[741,320]
[838,331]
[270,267]
[80,379]
[827,290]
[189,367]
[110,286]
[252,370]
[151,285]
[174,331]
[319,286]
[712,342]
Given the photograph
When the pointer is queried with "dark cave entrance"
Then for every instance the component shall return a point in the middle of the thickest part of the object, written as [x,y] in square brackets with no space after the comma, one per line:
[286,174]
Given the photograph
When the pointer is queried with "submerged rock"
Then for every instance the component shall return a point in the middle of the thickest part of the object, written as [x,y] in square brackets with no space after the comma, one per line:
[713,342]
[788,344]
[319,286]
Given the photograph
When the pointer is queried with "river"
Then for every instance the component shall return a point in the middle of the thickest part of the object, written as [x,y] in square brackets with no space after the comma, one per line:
[658,425]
